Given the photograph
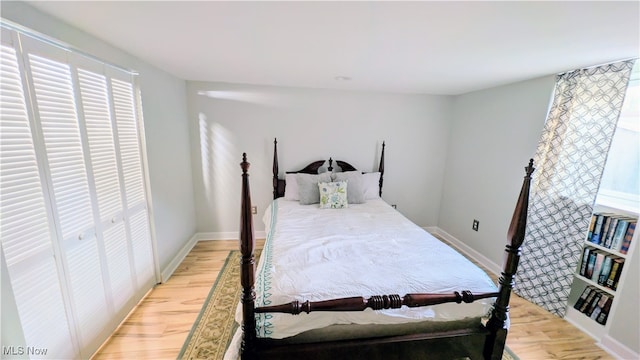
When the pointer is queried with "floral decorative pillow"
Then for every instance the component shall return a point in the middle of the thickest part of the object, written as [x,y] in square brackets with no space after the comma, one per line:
[333,195]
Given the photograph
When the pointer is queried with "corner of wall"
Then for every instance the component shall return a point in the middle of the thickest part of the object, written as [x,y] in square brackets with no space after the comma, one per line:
[177,260]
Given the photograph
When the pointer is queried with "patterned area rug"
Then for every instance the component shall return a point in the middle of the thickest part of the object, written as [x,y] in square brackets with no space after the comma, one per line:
[215,325]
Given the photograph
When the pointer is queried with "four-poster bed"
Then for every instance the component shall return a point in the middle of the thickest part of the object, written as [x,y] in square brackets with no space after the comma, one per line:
[343,284]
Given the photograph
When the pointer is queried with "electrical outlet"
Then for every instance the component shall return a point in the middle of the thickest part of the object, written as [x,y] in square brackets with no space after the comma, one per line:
[475,225]
[254,210]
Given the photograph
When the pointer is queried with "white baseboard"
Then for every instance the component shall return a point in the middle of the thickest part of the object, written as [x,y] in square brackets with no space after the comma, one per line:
[431,229]
[617,349]
[173,265]
[467,250]
[225,235]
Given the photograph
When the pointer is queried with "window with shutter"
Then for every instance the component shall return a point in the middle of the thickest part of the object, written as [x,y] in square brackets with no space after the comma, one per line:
[26,227]
[73,197]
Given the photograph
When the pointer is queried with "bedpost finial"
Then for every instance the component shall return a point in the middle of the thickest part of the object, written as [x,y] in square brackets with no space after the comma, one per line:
[530,168]
[244,164]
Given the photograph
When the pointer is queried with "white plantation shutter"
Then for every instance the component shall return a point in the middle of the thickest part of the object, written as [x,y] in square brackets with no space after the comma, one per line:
[115,241]
[73,184]
[55,104]
[97,115]
[129,144]
[142,250]
[98,121]
[88,293]
[57,111]
[25,224]
[131,157]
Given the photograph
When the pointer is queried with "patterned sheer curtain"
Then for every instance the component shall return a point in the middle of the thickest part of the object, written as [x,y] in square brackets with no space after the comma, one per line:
[570,159]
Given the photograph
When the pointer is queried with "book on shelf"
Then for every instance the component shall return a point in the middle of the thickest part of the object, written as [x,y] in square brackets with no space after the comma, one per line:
[583,297]
[620,232]
[626,242]
[599,306]
[611,229]
[604,272]
[594,302]
[604,313]
[591,264]
[600,255]
[597,230]
[592,225]
[605,229]
[614,274]
[585,305]
[600,267]
[585,260]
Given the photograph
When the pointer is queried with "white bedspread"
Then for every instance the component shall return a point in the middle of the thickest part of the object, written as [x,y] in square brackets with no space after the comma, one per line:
[364,250]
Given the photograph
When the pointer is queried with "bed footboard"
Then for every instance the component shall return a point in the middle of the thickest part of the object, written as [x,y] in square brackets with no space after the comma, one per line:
[377,302]
[498,323]
[247,266]
[486,342]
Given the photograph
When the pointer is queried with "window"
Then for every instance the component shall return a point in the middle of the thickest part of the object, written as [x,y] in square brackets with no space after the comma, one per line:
[73,202]
[620,184]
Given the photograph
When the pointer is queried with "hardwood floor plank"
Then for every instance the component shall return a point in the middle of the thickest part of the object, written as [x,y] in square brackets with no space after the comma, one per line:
[159,325]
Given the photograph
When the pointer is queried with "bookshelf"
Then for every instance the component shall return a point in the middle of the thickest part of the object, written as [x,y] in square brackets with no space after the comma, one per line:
[600,274]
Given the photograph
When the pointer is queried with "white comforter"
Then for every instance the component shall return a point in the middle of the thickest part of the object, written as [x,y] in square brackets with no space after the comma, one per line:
[364,250]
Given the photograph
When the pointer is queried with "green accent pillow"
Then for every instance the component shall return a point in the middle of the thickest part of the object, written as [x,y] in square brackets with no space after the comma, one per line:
[333,195]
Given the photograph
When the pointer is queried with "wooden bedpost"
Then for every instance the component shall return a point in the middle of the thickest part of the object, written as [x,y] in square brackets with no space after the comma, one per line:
[275,168]
[498,323]
[247,263]
[381,169]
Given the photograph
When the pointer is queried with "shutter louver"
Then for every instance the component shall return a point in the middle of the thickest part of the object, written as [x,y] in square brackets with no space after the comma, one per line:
[88,290]
[97,116]
[24,223]
[115,242]
[25,230]
[59,120]
[142,248]
[123,99]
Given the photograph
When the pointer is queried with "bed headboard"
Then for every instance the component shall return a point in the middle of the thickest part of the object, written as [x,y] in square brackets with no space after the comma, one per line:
[313,168]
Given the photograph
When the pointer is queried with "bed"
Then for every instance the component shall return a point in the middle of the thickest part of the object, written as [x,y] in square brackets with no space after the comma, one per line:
[322,290]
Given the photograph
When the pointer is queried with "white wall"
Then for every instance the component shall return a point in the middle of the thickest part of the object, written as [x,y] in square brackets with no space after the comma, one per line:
[312,125]
[166,126]
[625,326]
[494,134]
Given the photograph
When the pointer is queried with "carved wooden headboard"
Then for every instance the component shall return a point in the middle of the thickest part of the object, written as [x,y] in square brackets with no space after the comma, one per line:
[313,168]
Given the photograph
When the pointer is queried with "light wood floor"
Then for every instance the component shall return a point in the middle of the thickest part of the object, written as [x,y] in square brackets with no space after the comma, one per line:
[158,327]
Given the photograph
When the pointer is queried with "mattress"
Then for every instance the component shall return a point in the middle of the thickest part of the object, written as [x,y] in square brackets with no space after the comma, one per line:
[363,250]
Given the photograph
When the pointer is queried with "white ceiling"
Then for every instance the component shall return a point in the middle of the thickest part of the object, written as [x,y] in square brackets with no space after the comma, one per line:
[407,47]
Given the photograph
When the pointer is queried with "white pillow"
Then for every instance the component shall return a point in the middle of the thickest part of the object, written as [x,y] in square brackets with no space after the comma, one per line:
[371,185]
[355,195]
[291,187]
[308,192]
[333,195]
